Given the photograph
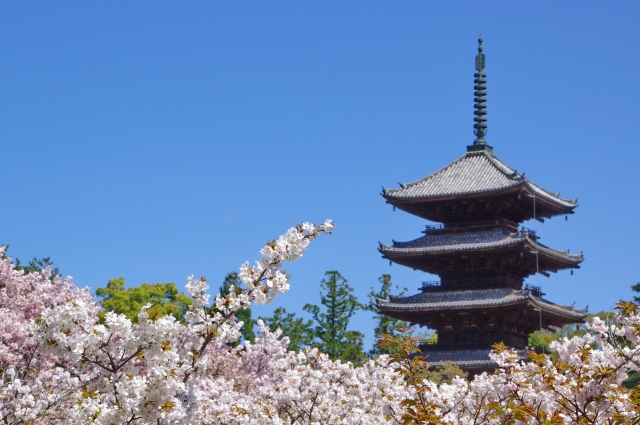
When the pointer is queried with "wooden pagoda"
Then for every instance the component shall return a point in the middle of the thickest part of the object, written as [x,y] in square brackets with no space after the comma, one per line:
[480,252]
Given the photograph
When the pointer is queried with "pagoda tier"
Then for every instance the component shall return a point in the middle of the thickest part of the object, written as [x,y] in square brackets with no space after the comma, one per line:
[473,361]
[469,322]
[477,186]
[498,251]
[473,318]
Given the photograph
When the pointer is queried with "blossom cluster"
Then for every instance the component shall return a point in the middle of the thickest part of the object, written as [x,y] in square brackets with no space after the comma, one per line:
[59,364]
[31,382]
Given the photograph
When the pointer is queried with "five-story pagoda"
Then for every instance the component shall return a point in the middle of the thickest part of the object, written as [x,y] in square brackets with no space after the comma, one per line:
[480,252]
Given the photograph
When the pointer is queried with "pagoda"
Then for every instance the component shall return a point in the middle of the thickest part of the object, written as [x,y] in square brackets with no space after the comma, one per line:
[481,253]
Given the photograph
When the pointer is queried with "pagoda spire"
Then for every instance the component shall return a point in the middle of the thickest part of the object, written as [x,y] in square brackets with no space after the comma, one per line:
[480,127]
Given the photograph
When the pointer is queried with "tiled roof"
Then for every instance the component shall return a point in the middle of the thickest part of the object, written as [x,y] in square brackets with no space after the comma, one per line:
[474,172]
[431,243]
[452,299]
[477,298]
[464,358]
[458,241]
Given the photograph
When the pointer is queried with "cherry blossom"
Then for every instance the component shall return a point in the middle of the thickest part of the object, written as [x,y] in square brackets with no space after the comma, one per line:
[60,365]
[31,382]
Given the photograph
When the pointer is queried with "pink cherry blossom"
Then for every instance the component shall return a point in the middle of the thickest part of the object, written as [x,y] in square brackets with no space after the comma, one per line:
[60,365]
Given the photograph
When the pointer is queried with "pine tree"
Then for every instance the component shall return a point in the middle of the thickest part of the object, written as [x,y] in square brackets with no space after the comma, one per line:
[37,264]
[636,288]
[384,324]
[331,334]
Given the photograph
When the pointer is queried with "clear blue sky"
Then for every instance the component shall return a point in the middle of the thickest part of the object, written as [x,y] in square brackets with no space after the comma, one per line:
[154,140]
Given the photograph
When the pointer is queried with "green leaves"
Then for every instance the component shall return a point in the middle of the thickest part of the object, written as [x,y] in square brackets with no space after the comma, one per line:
[385,325]
[37,264]
[636,288]
[165,299]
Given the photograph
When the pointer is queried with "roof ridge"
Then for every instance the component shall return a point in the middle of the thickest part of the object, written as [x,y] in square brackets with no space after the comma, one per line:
[499,164]
[490,158]
[511,173]
[449,165]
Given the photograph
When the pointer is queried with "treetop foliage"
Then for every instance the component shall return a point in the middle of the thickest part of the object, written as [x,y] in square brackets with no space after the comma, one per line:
[165,299]
[385,325]
[35,265]
[331,334]
[59,365]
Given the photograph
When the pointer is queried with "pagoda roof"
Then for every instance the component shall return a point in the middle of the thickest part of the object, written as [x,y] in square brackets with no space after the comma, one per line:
[474,173]
[488,240]
[472,359]
[461,358]
[476,299]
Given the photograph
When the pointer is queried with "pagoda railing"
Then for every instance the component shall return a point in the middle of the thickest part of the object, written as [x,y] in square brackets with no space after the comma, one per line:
[530,231]
[535,290]
[472,224]
[468,339]
[470,282]
[479,224]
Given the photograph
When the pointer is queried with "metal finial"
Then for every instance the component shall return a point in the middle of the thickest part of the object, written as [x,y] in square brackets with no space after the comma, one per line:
[480,127]
[480,56]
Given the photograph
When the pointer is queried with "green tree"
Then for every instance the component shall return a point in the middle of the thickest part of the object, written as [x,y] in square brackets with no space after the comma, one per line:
[636,288]
[35,265]
[385,325]
[300,333]
[244,314]
[165,299]
[331,334]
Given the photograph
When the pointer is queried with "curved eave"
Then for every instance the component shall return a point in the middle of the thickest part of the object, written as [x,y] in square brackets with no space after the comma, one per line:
[496,178]
[400,200]
[566,313]
[551,201]
[562,259]
[506,240]
[548,204]
[386,306]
